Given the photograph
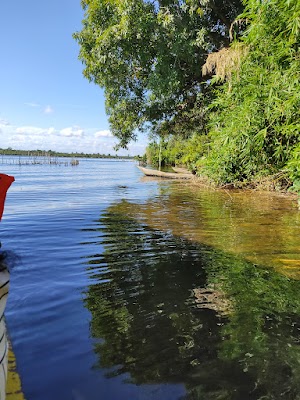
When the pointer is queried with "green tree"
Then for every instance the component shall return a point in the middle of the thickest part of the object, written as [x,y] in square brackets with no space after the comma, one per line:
[255,123]
[147,55]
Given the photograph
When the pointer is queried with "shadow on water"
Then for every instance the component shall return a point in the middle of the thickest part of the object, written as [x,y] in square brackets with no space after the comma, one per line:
[170,310]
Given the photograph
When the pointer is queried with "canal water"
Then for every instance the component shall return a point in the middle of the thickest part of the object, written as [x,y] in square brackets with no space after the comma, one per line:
[126,287]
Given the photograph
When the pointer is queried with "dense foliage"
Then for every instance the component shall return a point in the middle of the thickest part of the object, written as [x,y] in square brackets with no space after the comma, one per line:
[255,120]
[148,56]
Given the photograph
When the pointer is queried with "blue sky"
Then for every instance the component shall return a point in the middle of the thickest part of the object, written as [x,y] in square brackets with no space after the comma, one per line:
[45,102]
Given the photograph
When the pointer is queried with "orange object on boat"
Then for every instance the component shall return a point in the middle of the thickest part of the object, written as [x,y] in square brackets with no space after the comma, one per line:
[5,182]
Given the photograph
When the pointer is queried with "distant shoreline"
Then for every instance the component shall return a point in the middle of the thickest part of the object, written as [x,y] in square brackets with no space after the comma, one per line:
[38,153]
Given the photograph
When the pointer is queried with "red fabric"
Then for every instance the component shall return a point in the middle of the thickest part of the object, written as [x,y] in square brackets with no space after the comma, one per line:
[5,182]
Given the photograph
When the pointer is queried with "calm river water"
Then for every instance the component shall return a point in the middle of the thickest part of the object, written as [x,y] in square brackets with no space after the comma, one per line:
[133,288]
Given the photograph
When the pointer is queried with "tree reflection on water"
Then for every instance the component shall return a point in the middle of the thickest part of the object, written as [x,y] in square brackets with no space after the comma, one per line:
[150,326]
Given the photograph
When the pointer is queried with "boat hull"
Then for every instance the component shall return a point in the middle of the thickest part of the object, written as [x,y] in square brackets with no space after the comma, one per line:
[162,174]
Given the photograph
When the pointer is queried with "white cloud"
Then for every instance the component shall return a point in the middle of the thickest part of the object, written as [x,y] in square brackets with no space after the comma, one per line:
[51,131]
[33,130]
[19,138]
[34,105]
[73,131]
[105,133]
[29,130]
[4,122]
[69,139]
[48,110]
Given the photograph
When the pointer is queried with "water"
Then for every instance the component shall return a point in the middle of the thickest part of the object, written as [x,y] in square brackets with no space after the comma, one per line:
[131,288]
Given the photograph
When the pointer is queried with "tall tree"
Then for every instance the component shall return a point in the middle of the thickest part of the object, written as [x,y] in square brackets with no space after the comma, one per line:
[147,55]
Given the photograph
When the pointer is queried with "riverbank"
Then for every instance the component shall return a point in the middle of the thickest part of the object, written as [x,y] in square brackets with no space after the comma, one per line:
[276,185]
